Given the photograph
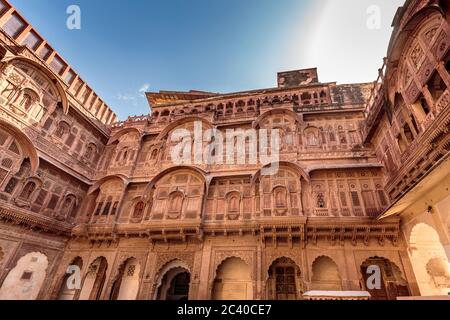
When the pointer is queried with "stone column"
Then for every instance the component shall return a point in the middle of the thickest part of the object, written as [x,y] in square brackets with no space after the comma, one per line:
[111,278]
[353,275]
[440,213]
[259,274]
[409,273]
[304,268]
[195,276]
[46,292]
[148,282]
[84,272]
[146,290]
[204,271]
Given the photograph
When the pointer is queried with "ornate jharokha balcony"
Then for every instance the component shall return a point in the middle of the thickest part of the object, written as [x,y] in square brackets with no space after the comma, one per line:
[375,103]
[430,147]
[32,221]
[361,179]
[291,231]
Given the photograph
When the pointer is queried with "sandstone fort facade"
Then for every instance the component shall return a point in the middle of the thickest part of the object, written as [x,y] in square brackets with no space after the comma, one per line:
[363,180]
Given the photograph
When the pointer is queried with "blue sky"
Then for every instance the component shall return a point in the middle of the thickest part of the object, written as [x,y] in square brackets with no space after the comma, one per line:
[127,47]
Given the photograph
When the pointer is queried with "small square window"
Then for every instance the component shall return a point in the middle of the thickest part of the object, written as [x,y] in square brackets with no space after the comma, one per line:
[70,77]
[14,26]
[26,275]
[45,52]
[32,41]
[58,65]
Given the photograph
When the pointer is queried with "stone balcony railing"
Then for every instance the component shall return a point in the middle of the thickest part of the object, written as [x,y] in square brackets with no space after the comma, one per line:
[131,121]
[293,229]
[375,103]
[429,147]
[33,221]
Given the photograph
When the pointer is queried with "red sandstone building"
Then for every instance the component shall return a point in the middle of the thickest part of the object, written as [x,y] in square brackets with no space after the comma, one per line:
[363,180]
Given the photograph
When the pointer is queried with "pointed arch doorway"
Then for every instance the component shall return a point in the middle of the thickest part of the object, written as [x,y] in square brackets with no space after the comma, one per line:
[284,281]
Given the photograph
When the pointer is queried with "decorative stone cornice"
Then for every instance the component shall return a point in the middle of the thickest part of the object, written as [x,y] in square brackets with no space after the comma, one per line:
[294,230]
[36,222]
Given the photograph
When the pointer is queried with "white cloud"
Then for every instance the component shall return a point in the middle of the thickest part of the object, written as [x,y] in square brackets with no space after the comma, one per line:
[134,97]
[125,97]
[144,88]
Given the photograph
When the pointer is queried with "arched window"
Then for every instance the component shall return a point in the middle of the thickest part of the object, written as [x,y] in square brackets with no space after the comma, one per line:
[118,156]
[175,202]
[62,129]
[280,197]
[321,200]
[90,151]
[289,138]
[154,154]
[305,97]
[67,203]
[69,206]
[284,280]
[114,208]
[312,135]
[312,139]
[11,185]
[28,190]
[98,208]
[233,203]
[107,206]
[138,209]
[26,102]
[73,211]
[421,108]
[122,155]
[229,108]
